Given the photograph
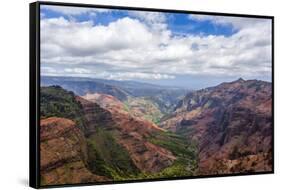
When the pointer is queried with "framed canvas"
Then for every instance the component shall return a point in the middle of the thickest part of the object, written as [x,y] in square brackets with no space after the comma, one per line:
[127,94]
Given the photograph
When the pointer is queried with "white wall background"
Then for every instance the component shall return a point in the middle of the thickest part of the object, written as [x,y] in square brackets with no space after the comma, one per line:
[14,95]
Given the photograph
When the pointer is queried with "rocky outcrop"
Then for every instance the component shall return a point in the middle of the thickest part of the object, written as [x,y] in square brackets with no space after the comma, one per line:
[231,122]
[138,107]
[63,153]
[105,101]
[134,134]
[130,132]
[94,116]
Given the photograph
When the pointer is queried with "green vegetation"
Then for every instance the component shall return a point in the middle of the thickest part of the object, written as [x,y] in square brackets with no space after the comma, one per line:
[108,158]
[185,131]
[57,102]
[178,169]
[178,145]
[184,150]
[43,180]
[144,107]
[126,106]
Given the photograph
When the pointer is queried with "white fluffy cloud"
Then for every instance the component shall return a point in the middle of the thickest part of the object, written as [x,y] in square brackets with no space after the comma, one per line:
[83,39]
[142,47]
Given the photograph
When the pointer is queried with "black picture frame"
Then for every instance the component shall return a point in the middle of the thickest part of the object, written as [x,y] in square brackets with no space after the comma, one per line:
[34,90]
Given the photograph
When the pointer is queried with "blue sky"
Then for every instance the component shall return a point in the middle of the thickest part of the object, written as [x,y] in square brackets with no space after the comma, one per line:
[192,51]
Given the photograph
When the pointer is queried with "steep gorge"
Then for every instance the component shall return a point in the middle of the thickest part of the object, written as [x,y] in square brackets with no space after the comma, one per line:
[111,144]
[231,122]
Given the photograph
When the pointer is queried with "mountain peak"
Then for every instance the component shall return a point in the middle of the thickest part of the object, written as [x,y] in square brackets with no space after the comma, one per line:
[240,80]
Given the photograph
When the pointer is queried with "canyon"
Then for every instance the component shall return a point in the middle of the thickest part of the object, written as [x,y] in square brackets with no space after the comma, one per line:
[98,130]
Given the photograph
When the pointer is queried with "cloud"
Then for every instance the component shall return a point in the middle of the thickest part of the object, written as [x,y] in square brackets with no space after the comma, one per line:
[156,21]
[236,22]
[82,39]
[77,70]
[140,46]
[82,72]
[135,75]
[149,17]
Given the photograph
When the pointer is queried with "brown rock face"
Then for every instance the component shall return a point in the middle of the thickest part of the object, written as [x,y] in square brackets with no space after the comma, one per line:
[63,153]
[134,133]
[95,116]
[130,132]
[232,124]
[105,101]
[138,107]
